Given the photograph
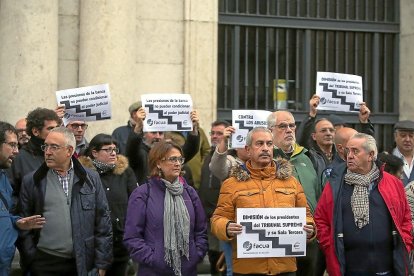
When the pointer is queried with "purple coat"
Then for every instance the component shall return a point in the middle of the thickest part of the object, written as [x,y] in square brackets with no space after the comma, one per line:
[144,230]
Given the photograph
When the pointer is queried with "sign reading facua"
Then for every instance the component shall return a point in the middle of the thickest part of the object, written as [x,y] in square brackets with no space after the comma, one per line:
[89,103]
[271,232]
[339,92]
[167,112]
[244,121]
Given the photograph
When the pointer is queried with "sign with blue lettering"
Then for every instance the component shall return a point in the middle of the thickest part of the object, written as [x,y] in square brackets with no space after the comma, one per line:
[271,232]
[339,92]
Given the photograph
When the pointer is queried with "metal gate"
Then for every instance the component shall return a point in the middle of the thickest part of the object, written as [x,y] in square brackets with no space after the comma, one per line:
[266,43]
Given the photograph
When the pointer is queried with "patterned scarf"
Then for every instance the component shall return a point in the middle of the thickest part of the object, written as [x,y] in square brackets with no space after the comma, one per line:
[176,225]
[359,198]
[102,167]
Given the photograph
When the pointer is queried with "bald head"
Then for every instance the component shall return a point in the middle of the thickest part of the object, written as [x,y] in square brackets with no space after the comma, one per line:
[342,137]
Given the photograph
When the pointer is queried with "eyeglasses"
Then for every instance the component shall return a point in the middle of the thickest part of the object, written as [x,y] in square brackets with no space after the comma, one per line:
[19,130]
[110,150]
[12,145]
[52,148]
[174,159]
[285,126]
[76,126]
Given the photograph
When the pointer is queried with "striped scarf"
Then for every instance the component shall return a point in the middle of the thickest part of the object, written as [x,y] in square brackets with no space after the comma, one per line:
[176,225]
[359,198]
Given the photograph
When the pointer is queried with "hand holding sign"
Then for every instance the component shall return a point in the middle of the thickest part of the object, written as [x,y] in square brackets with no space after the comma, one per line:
[139,120]
[195,120]
[364,113]
[313,105]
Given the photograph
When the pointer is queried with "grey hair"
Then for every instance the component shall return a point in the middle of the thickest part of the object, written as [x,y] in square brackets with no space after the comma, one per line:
[369,145]
[249,139]
[272,118]
[68,134]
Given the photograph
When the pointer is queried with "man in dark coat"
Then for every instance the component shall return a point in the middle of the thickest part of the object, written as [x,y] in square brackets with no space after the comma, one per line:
[77,236]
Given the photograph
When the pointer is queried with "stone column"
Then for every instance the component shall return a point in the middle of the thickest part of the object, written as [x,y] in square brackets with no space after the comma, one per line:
[28,56]
[107,55]
[406,59]
[200,57]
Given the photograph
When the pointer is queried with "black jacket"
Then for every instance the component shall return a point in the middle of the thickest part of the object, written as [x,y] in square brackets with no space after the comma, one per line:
[137,153]
[118,185]
[121,134]
[91,224]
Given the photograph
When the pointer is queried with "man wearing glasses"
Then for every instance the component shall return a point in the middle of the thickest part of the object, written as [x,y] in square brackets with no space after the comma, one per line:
[77,236]
[79,129]
[282,124]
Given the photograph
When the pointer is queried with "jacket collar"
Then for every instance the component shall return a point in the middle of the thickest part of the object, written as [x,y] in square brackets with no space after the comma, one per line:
[79,171]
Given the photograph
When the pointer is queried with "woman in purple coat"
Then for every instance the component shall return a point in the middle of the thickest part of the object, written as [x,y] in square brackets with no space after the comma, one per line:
[166,228]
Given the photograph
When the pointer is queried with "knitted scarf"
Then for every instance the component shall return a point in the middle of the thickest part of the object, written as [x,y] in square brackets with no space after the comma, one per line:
[176,225]
[102,167]
[359,198]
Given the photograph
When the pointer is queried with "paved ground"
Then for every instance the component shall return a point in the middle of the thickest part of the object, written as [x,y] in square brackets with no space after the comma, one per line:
[203,268]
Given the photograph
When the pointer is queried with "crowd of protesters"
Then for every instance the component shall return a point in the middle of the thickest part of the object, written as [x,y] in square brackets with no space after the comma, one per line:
[165,200]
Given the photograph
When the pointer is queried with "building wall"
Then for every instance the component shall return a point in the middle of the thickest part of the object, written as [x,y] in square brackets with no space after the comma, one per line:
[407,60]
[136,46]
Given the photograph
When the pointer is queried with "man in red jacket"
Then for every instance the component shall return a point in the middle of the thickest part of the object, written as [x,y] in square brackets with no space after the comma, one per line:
[363,218]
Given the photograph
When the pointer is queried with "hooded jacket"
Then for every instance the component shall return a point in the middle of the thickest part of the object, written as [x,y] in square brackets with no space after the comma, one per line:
[269,187]
[118,185]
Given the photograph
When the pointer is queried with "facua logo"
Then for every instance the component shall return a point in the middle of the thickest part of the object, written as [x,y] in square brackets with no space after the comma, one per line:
[323,100]
[239,138]
[150,122]
[247,245]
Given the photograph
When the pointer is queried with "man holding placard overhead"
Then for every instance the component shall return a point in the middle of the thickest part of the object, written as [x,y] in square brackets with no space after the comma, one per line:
[140,142]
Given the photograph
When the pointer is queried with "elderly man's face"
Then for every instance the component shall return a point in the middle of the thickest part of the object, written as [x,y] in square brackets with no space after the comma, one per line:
[358,160]
[284,131]
[57,152]
[153,137]
[404,140]
[324,133]
[261,149]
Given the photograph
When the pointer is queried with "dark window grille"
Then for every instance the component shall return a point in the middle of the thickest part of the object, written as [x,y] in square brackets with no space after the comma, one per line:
[262,42]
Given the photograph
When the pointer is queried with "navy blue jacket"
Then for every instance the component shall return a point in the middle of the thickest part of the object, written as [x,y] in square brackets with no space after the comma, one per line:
[91,222]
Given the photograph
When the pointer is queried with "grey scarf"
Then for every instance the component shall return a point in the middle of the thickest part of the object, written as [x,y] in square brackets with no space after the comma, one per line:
[359,198]
[176,225]
[102,167]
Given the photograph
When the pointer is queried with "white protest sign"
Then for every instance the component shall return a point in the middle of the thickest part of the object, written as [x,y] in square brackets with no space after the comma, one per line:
[244,121]
[89,103]
[339,92]
[167,112]
[271,232]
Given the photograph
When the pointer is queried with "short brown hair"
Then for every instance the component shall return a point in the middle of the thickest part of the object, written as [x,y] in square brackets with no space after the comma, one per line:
[158,152]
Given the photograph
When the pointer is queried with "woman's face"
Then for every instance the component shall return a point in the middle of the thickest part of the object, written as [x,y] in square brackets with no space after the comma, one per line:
[107,154]
[170,165]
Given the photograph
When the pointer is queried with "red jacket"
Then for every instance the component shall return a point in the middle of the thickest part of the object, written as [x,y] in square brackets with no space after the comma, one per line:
[331,242]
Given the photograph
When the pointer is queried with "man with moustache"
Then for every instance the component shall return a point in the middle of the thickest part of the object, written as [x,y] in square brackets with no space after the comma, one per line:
[9,224]
[139,144]
[77,238]
[22,135]
[404,140]
[282,124]
[268,184]
[363,217]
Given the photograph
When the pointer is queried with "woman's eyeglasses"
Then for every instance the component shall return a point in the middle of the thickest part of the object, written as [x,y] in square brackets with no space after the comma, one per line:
[110,150]
[175,159]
